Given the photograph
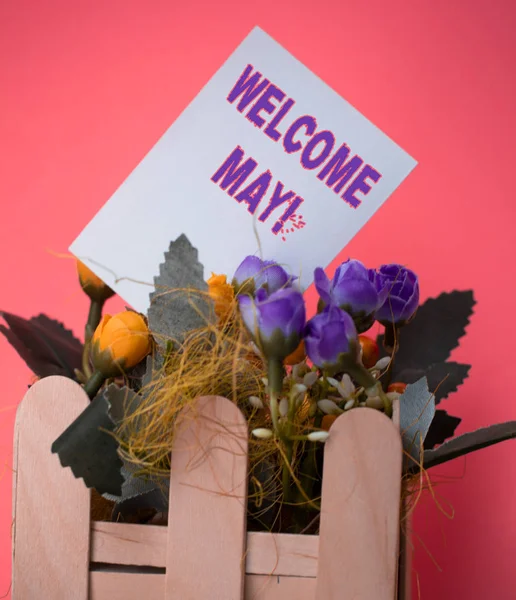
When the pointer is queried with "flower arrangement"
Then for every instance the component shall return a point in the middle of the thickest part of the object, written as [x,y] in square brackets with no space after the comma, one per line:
[249,339]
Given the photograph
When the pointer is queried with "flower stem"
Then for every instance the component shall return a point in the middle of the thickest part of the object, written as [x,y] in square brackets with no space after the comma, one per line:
[94,316]
[86,368]
[364,378]
[391,345]
[275,372]
[94,383]
[289,447]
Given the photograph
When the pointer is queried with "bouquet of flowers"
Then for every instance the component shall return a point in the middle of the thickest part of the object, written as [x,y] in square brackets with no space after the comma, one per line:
[248,339]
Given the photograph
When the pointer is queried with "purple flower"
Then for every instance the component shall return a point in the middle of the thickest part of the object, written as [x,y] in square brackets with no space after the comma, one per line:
[402,300]
[254,273]
[275,321]
[355,289]
[331,339]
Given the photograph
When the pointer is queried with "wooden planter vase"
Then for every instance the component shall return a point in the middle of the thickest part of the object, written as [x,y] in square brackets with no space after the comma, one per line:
[205,552]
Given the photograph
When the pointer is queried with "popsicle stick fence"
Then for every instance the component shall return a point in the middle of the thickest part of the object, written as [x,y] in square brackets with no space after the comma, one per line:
[205,551]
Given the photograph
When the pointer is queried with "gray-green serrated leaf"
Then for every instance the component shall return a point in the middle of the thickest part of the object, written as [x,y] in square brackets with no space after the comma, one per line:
[417,409]
[174,312]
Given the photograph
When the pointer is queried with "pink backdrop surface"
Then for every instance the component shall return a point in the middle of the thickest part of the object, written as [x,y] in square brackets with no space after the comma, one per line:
[86,90]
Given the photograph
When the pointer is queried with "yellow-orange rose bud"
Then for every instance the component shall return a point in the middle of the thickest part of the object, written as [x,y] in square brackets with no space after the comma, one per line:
[327,422]
[120,342]
[370,351]
[297,356]
[222,294]
[92,285]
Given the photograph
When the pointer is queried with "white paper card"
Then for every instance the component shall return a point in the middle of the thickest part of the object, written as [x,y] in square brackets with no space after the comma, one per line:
[265,151]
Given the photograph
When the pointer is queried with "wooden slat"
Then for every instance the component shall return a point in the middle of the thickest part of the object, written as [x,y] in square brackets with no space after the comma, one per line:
[52,508]
[208,502]
[128,544]
[282,554]
[129,586]
[126,586]
[358,545]
[146,545]
[264,587]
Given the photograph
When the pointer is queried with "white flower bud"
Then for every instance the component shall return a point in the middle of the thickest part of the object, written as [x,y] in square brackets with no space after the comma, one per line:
[318,436]
[333,382]
[346,385]
[310,378]
[283,407]
[262,434]
[299,371]
[373,391]
[299,388]
[265,381]
[374,402]
[393,396]
[329,407]
[382,364]
[349,404]
[255,402]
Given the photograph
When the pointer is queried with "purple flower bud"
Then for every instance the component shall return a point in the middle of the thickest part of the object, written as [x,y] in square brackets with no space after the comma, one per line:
[275,321]
[354,289]
[331,339]
[402,294]
[254,273]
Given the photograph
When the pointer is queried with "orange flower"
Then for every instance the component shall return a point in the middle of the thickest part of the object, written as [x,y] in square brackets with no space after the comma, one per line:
[397,387]
[370,351]
[223,294]
[121,341]
[297,356]
[92,285]
[327,422]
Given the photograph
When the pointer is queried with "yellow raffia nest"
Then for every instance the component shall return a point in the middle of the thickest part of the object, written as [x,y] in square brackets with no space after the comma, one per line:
[216,360]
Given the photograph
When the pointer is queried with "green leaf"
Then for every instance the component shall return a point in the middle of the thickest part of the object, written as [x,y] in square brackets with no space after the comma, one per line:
[443,378]
[89,449]
[470,442]
[442,428]
[435,331]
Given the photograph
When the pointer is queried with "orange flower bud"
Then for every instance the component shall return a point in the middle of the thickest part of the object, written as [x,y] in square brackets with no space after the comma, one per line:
[397,387]
[370,351]
[120,342]
[92,285]
[297,356]
[327,421]
[223,294]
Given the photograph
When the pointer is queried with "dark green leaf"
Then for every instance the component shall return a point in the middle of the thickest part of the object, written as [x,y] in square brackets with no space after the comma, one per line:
[443,378]
[443,427]
[89,449]
[435,331]
[44,344]
[469,442]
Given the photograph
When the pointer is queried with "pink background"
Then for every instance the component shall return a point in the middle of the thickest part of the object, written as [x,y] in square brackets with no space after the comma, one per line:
[87,88]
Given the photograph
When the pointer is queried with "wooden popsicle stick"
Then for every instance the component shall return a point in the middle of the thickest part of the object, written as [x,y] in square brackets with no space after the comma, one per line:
[52,508]
[105,585]
[146,545]
[360,511]
[275,587]
[282,554]
[208,500]
[126,586]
